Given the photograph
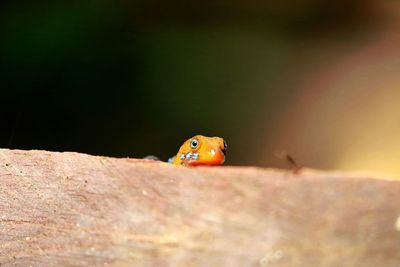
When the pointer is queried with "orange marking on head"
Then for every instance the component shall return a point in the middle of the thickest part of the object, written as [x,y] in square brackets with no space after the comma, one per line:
[201,150]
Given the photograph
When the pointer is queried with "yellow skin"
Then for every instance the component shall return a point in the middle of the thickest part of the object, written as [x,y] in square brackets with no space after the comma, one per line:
[201,150]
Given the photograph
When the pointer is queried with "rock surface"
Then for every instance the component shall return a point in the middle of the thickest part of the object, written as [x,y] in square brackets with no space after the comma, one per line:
[70,209]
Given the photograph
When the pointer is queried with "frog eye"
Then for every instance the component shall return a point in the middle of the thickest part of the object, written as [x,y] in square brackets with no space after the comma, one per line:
[224,148]
[194,144]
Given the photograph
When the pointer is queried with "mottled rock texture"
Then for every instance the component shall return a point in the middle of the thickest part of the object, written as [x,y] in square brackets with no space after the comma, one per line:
[70,209]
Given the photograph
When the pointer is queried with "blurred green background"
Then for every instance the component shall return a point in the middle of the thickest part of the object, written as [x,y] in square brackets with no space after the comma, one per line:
[123,78]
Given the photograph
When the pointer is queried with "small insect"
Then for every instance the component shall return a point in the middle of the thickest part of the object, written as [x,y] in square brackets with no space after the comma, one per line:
[201,150]
[283,155]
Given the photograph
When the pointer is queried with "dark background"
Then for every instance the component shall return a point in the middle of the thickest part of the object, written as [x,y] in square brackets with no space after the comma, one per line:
[122,78]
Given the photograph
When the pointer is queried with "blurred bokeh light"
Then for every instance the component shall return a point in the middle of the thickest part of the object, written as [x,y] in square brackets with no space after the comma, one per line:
[317,79]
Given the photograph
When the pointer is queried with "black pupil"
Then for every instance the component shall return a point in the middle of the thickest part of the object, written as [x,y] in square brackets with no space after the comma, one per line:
[194,143]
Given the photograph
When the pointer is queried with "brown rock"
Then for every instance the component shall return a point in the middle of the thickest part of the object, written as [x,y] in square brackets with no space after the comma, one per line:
[70,209]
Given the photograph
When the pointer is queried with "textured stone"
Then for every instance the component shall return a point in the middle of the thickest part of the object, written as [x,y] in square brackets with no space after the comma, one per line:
[70,209]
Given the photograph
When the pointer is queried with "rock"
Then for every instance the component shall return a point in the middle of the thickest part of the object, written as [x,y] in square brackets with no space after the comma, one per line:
[70,209]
